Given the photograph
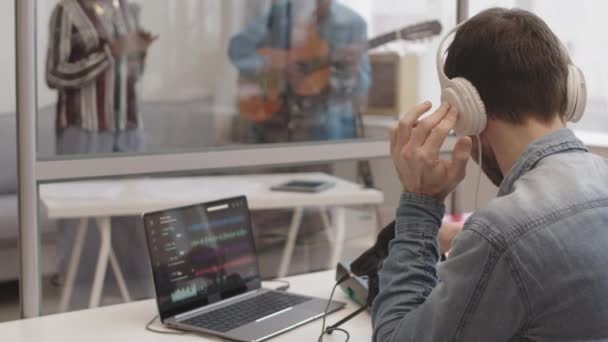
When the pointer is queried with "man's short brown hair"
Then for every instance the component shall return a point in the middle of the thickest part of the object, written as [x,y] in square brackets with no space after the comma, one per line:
[516,63]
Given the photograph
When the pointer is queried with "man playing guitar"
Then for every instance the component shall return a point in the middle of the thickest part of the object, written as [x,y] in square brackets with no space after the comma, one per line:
[302,66]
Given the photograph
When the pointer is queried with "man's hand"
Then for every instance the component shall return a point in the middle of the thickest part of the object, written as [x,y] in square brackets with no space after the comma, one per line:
[132,42]
[146,39]
[349,55]
[415,146]
[275,60]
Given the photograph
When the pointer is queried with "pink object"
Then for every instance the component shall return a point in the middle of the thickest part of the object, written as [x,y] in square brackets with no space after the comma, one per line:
[456,218]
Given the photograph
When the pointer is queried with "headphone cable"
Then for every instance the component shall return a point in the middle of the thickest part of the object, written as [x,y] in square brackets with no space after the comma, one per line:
[325,313]
[478,172]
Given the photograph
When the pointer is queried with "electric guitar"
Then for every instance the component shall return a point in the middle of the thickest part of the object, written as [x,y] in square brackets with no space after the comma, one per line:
[260,99]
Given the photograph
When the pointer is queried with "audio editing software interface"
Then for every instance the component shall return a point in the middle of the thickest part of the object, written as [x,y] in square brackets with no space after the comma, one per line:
[203,253]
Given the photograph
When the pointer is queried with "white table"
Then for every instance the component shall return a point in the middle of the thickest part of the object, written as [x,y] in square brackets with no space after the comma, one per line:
[102,200]
[125,322]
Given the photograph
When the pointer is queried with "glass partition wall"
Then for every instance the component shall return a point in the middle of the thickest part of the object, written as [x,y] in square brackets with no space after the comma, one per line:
[9,223]
[142,90]
[217,74]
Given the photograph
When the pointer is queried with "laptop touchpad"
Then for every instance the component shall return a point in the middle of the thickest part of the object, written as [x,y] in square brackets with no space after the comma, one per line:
[272,324]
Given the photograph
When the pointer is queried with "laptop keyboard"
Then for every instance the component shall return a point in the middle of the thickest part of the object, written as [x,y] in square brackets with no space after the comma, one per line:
[238,314]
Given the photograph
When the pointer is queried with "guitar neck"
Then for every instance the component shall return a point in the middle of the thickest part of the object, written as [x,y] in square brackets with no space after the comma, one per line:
[412,32]
[381,40]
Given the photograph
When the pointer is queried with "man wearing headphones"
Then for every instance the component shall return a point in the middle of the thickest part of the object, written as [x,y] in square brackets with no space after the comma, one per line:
[531,264]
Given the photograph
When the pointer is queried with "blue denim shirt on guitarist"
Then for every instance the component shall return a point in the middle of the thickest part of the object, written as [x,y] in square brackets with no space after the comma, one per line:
[532,265]
[334,117]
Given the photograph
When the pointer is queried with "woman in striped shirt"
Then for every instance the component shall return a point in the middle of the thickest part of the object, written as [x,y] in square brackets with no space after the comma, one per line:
[95,58]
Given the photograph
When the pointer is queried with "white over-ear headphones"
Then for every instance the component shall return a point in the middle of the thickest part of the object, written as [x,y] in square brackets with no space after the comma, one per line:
[461,93]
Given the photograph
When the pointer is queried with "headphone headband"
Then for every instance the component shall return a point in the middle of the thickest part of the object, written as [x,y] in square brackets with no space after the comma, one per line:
[463,94]
[443,78]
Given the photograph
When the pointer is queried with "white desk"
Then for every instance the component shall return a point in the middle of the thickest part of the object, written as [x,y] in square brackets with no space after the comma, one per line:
[125,322]
[130,197]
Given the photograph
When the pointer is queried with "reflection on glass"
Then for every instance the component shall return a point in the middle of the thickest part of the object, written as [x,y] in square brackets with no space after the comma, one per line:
[222,72]
[302,71]
[96,55]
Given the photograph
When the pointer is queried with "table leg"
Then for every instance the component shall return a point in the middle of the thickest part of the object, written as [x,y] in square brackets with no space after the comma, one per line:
[122,285]
[339,215]
[105,231]
[378,220]
[375,209]
[68,287]
[294,227]
[329,229]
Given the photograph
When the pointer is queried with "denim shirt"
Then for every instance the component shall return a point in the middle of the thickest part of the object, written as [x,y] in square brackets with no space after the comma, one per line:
[532,265]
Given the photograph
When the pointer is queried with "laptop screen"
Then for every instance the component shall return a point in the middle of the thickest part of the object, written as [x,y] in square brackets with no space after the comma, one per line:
[201,254]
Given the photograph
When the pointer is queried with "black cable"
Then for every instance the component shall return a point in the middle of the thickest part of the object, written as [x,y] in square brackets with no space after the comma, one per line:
[172,332]
[331,296]
[167,332]
[343,331]
[334,327]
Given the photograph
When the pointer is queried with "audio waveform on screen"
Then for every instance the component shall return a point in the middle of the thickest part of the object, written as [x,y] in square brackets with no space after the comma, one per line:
[218,238]
[183,293]
[217,223]
[237,247]
[234,263]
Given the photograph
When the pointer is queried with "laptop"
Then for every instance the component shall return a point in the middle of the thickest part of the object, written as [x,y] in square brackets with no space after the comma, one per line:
[207,277]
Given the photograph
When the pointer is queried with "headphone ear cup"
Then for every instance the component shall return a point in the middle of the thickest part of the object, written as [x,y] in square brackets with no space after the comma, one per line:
[461,93]
[576,94]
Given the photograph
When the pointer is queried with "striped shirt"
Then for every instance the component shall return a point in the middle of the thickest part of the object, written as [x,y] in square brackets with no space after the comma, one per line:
[96,90]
